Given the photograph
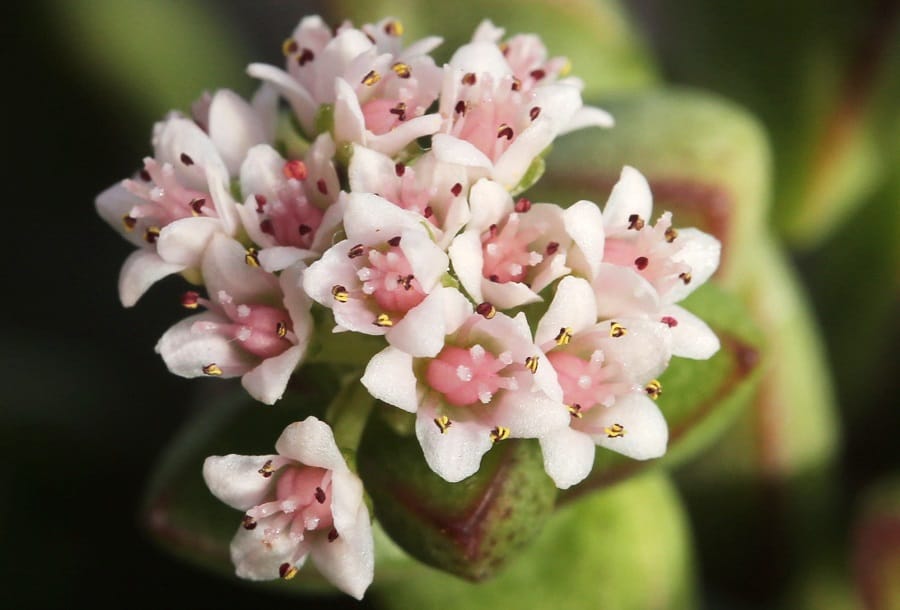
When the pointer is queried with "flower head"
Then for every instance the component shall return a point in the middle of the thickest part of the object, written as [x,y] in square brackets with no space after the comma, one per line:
[301,502]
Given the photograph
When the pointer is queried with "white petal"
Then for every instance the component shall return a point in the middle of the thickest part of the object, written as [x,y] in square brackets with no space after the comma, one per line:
[225,268]
[369,171]
[512,165]
[645,431]
[373,220]
[530,414]
[261,172]
[487,32]
[333,269]
[702,252]
[468,262]
[186,351]
[480,57]
[449,149]
[630,195]
[299,98]
[281,257]
[457,309]
[421,332]
[427,261]
[178,136]
[508,294]
[347,498]
[395,140]
[621,291]
[691,336]
[311,442]
[490,203]
[349,122]
[235,479]
[234,128]
[349,561]
[456,453]
[113,205]
[584,224]
[184,241]
[389,377]
[267,382]
[643,351]
[142,269]
[258,555]
[573,306]
[568,456]
[588,116]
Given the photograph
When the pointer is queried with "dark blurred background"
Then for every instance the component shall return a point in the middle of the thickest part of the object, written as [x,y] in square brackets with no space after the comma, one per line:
[87,405]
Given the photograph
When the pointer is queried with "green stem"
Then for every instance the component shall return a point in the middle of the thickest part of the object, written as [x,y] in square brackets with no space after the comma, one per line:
[348,413]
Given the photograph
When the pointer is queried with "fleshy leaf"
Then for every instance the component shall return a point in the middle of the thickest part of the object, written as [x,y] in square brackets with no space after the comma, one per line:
[470,528]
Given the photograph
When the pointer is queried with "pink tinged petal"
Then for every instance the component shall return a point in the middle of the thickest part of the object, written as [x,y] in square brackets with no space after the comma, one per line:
[702,252]
[342,51]
[349,122]
[257,555]
[187,351]
[422,47]
[178,136]
[184,241]
[449,149]
[530,414]
[261,172]
[311,442]
[584,224]
[622,291]
[691,337]
[265,105]
[225,268]
[371,219]
[236,481]
[508,294]
[573,307]
[588,116]
[568,456]
[427,261]
[113,205]
[299,98]
[510,168]
[481,58]
[455,453]
[630,195]
[634,427]
[421,331]
[267,382]
[349,560]
[395,140]
[643,351]
[234,127]
[468,261]
[142,269]
[389,377]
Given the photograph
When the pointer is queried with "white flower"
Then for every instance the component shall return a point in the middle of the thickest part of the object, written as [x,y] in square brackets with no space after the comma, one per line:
[303,501]
[379,92]
[487,384]
[257,326]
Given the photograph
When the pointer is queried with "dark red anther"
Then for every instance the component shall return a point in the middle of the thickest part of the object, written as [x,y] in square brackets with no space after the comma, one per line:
[523,205]
[460,107]
[266,227]
[399,169]
[186,159]
[456,189]
[260,202]
[394,241]
[641,262]
[537,74]
[669,321]
[320,495]
[322,186]
[552,248]
[486,309]
[428,212]
[535,112]
[145,175]
[469,78]
[305,56]
[332,535]
[304,229]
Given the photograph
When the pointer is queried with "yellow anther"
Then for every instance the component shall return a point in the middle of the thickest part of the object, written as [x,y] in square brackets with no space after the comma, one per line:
[401,69]
[151,235]
[281,329]
[248,522]
[671,234]
[251,257]
[617,330]
[653,389]
[383,320]
[531,363]
[287,571]
[685,277]
[575,410]
[266,471]
[340,293]
[129,222]
[565,69]
[564,336]
[393,28]
[443,422]
[289,47]
[212,369]
[371,78]
[500,433]
[635,222]
[615,431]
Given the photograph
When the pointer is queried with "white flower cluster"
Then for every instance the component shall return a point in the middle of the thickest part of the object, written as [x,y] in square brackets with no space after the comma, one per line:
[427,245]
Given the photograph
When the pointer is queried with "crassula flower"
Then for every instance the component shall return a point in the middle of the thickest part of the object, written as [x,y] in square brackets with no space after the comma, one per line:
[256,326]
[181,197]
[648,268]
[607,372]
[510,251]
[493,124]
[301,502]
[376,92]
[385,277]
[488,383]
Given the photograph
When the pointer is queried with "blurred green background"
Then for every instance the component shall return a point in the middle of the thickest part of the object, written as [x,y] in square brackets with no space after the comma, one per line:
[88,407]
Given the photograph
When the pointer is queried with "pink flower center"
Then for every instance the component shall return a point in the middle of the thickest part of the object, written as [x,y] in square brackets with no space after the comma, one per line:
[262,330]
[650,252]
[388,279]
[289,218]
[506,252]
[586,382]
[303,497]
[488,113]
[468,376]
[165,200]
